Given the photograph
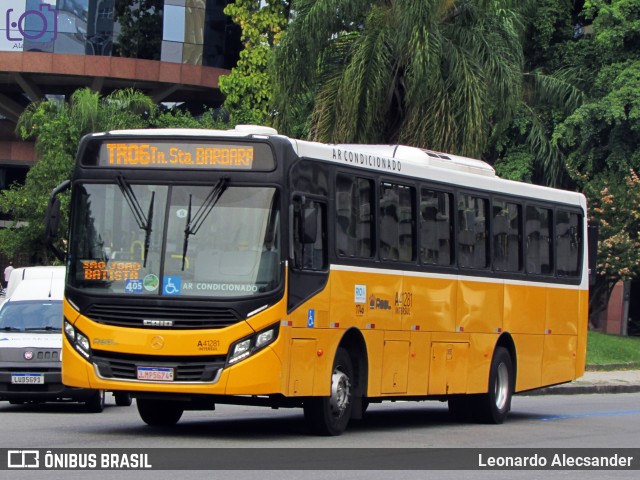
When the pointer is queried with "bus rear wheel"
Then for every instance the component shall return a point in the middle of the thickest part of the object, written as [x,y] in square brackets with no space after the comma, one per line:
[330,415]
[493,406]
[159,413]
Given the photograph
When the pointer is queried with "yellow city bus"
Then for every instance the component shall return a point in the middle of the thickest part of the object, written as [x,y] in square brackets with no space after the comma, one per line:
[246,267]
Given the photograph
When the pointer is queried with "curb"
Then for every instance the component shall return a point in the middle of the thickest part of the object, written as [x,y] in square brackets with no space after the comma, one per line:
[580,386]
[613,366]
[583,390]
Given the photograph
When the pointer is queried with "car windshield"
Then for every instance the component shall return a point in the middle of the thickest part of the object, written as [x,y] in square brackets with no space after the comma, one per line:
[190,241]
[31,315]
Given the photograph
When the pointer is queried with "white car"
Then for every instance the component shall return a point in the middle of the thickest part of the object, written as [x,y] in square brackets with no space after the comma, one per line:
[31,342]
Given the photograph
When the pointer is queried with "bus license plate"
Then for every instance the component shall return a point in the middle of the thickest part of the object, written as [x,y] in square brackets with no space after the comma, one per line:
[27,378]
[159,374]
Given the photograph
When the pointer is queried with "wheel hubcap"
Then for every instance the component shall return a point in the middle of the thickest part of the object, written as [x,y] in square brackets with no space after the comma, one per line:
[340,393]
[502,386]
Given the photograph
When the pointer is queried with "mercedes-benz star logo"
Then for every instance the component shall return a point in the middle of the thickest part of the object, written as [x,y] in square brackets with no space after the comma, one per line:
[157,342]
[28,355]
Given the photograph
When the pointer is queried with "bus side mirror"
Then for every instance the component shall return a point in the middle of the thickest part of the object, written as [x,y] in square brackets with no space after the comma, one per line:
[52,220]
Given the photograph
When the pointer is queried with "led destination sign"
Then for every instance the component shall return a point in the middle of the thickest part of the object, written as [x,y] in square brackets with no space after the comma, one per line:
[184,155]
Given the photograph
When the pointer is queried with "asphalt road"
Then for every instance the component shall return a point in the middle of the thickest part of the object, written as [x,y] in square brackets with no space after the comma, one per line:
[557,421]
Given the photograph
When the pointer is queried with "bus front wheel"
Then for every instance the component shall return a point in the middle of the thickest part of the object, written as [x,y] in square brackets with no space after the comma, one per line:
[159,413]
[330,415]
[123,399]
[95,403]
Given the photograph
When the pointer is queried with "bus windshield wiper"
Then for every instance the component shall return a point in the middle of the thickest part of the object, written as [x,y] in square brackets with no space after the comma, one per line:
[143,221]
[193,225]
[48,328]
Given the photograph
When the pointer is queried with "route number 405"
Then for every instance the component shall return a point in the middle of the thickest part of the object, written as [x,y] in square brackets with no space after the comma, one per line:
[133,286]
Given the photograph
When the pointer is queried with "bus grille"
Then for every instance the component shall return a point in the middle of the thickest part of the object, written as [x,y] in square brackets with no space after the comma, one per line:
[186,369]
[180,317]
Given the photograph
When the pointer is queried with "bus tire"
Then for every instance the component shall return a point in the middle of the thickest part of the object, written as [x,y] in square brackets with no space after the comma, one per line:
[493,406]
[329,416]
[95,403]
[123,399]
[159,413]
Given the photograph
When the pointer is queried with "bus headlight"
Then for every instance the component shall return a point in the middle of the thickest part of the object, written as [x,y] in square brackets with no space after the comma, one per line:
[248,346]
[265,338]
[70,331]
[76,338]
[240,350]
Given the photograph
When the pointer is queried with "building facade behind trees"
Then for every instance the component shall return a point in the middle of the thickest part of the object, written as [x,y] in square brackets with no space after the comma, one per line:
[172,50]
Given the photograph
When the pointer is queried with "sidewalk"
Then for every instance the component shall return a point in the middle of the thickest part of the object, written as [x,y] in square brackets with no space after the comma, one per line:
[617,381]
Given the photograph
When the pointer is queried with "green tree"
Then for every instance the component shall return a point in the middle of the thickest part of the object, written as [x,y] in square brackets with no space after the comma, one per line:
[601,138]
[552,88]
[441,74]
[615,208]
[603,135]
[527,150]
[57,128]
[248,89]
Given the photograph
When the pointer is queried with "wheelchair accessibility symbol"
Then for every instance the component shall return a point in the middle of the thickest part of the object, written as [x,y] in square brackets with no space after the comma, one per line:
[171,285]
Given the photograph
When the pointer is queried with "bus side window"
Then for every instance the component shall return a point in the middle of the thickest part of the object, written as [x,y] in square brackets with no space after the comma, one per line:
[539,241]
[354,228]
[506,229]
[569,243]
[436,228]
[397,222]
[344,208]
[388,223]
[407,230]
[473,241]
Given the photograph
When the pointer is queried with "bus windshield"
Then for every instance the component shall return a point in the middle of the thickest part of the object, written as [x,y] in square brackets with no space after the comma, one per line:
[180,240]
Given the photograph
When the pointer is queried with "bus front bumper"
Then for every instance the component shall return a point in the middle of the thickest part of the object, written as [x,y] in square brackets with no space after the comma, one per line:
[256,375]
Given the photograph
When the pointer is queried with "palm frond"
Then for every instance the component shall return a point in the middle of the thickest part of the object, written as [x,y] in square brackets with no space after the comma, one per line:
[560,89]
